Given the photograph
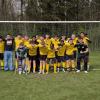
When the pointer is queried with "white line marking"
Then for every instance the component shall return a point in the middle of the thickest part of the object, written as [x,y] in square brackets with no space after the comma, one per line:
[95,69]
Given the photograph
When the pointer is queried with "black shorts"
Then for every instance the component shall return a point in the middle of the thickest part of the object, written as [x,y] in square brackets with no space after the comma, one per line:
[1,56]
[32,57]
[60,58]
[51,60]
[43,57]
[69,57]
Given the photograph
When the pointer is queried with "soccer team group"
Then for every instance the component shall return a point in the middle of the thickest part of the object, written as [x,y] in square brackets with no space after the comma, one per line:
[45,52]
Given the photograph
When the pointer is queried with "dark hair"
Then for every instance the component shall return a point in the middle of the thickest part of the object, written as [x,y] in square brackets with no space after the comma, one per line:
[1,36]
[19,34]
[79,37]
[34,36]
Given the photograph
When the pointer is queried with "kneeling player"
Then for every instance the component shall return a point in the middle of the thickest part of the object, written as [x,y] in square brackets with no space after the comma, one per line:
[21,58]
[51,58]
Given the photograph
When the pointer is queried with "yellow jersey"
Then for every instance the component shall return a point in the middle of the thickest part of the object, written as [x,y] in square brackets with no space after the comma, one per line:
[48,42]
[75,41]
[2,47]
[61,50]
[27,43]
[42,49]
[33,50]
[55,42]
[70,48]
[39,41]
[17,42]
[86,40]
[51,53]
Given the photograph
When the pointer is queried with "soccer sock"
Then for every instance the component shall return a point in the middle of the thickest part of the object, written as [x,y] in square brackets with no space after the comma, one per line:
[40,68]
[28,65]
[47,68]
[43,67]
[2,64]
[68,64]
[16,64]
[58,65]
[34,68]
[73,64]
[55,68]
[63,64]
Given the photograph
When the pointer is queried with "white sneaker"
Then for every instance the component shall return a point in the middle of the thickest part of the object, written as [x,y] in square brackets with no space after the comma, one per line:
[39,72]
[63,70]
[86,72]
[88,67]
[58,70]
[23,72]
[43,72]
[78,71]
[20,72]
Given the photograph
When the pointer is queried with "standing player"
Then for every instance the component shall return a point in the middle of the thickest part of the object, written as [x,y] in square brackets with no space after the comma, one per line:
[75,40]
[18,40]
[51,58]
[86,41]
[70,48]
[32,55]
[82,54]
[26,44]
[1,52]
[21,54]
[61,55]
[43,56]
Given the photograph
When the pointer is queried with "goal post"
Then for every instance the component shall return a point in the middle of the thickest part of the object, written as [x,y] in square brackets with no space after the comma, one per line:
[54,27]
[45,22]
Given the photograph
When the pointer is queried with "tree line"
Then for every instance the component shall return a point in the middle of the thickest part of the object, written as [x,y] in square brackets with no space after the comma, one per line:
[50,10]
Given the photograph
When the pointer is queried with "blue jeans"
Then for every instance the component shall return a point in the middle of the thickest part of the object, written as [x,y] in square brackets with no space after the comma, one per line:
[8,60]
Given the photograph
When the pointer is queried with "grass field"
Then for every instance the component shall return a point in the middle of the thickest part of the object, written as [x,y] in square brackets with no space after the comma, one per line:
[62,86]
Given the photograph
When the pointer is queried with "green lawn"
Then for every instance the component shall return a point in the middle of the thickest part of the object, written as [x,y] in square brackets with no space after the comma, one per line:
[62,86]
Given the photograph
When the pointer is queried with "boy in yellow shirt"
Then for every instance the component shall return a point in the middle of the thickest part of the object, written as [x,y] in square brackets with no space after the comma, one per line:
[55,41]
[26,41]
[32,55]
[51,58]
[47,40]
[1,52]
[61,55]
[43,56]
[70,48]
